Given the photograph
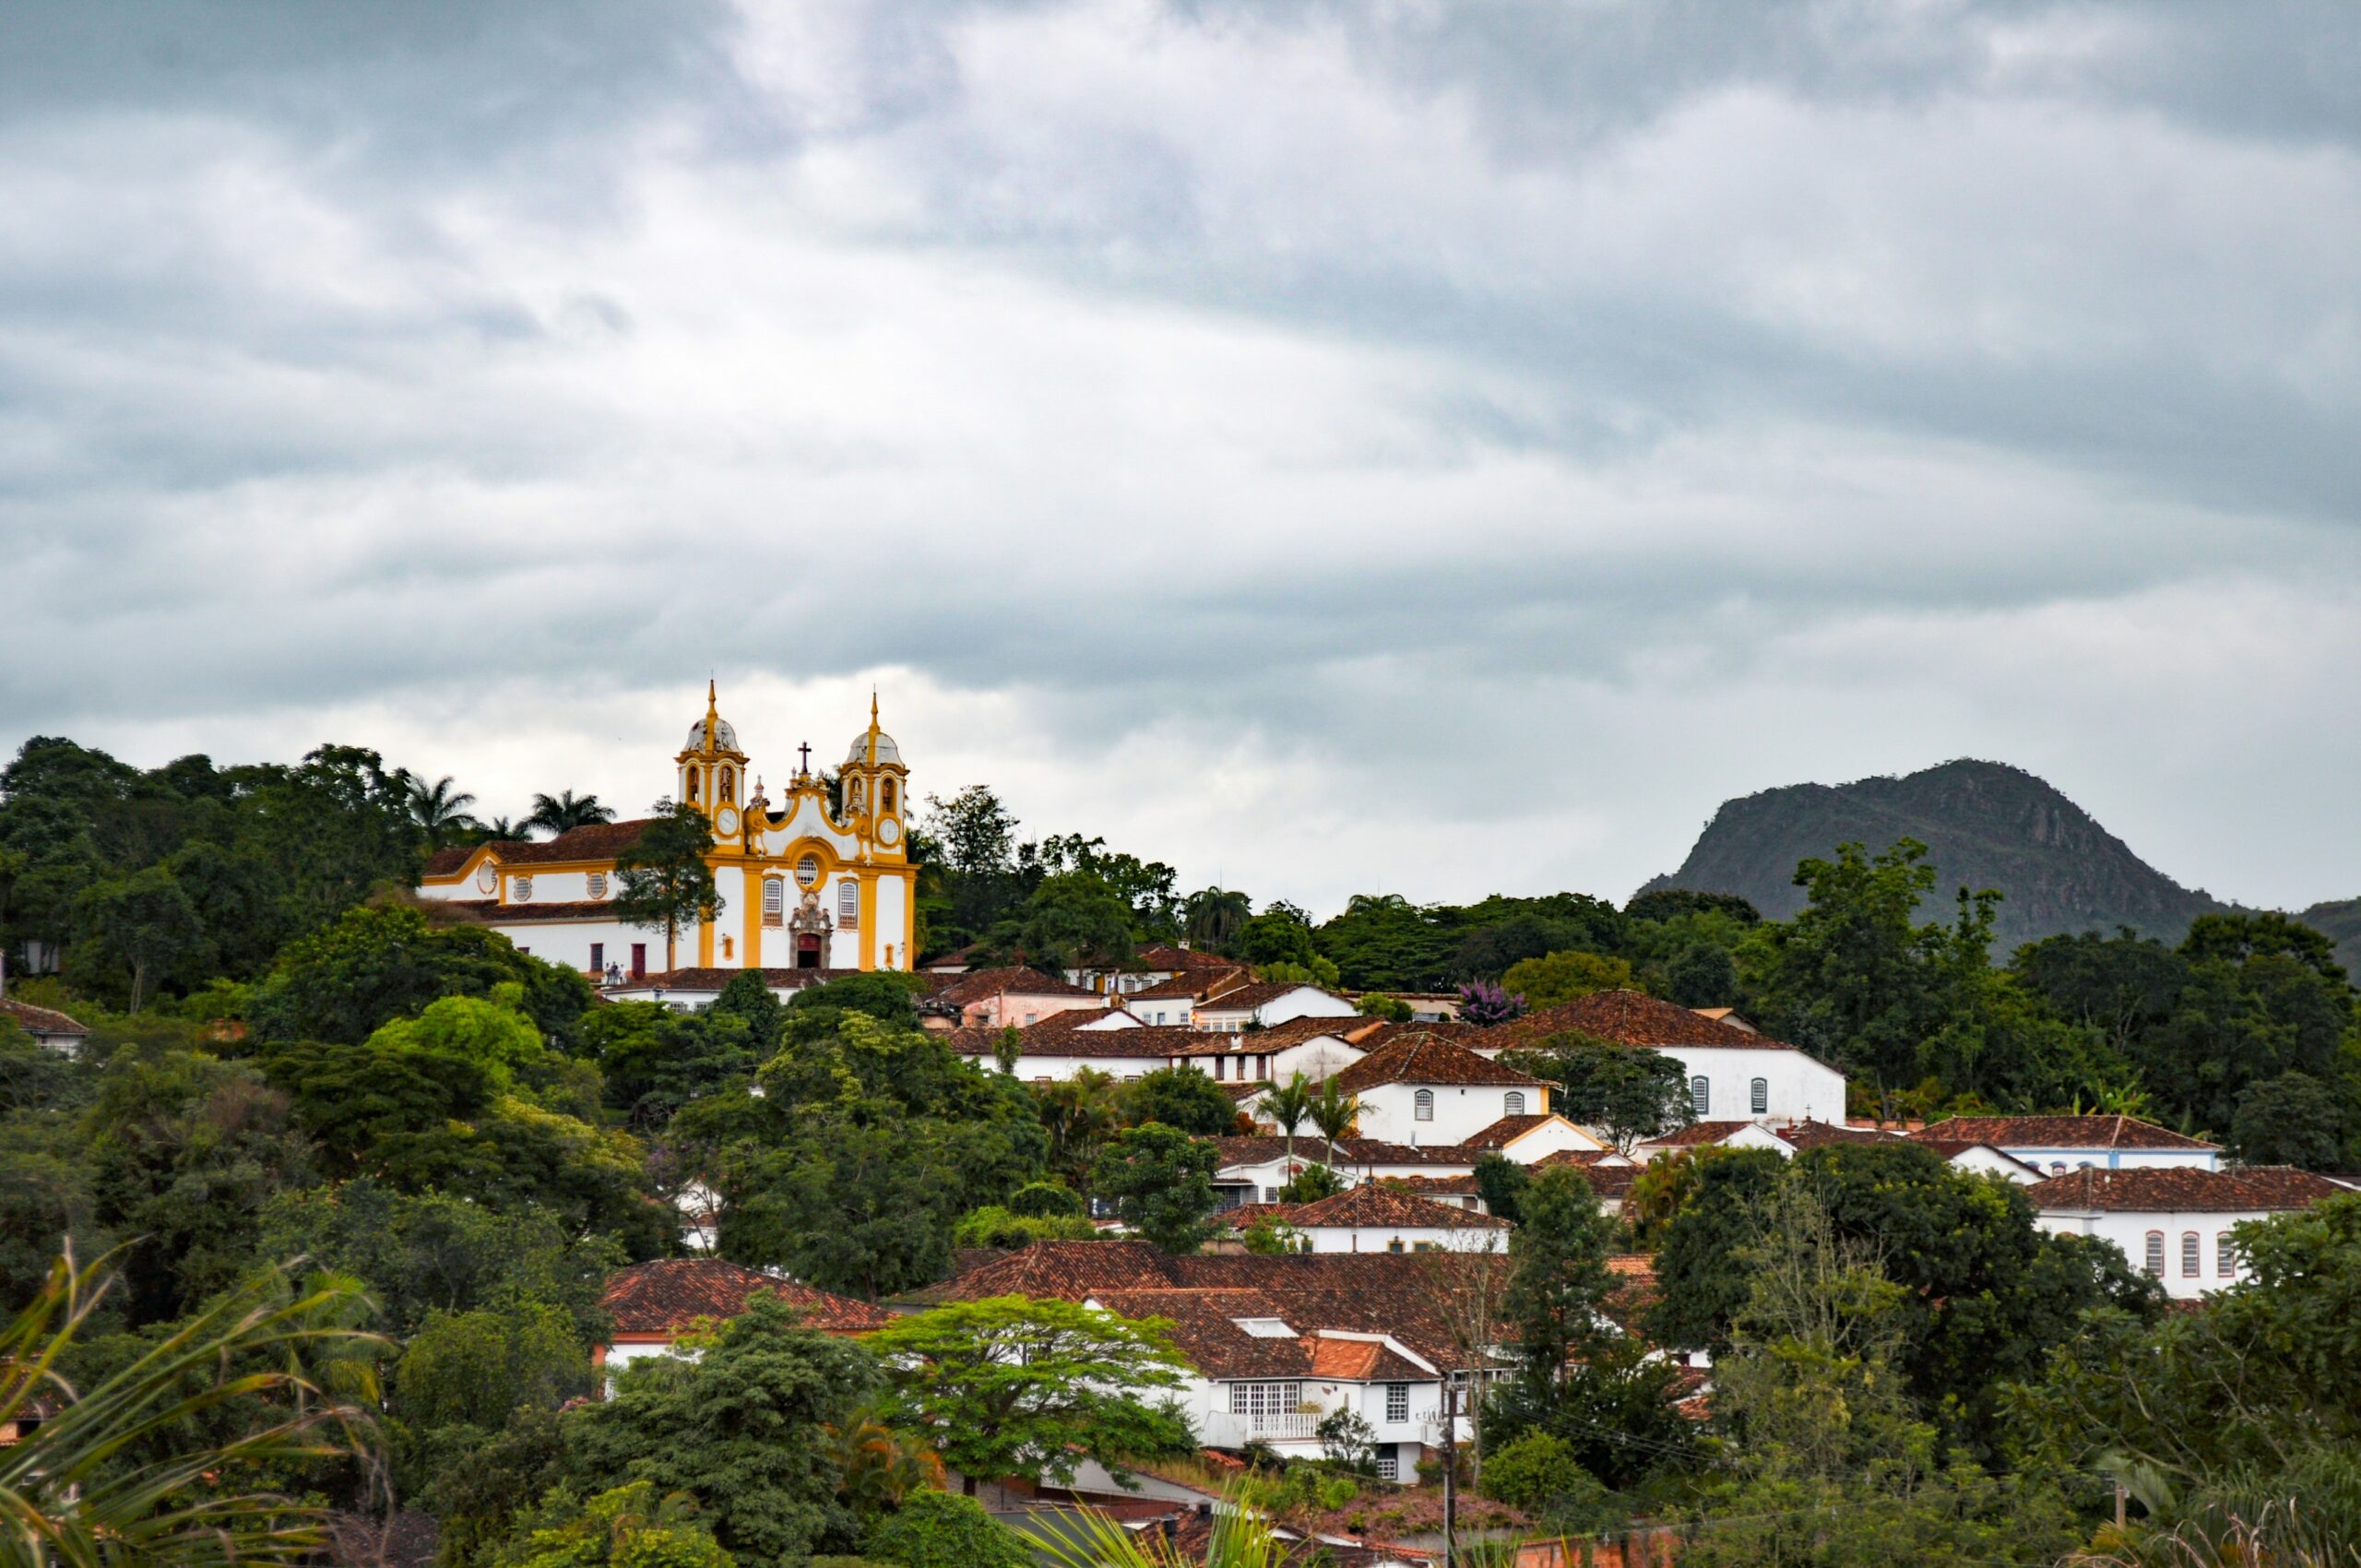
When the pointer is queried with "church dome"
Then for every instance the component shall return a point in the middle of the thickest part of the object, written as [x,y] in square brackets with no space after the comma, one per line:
[887,750]
[725,739]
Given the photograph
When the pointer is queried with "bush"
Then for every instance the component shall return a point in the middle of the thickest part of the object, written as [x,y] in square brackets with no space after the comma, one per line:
[1046,1200]
[993,1226]
[1311,1184]
[938,1530]
[1537,1472]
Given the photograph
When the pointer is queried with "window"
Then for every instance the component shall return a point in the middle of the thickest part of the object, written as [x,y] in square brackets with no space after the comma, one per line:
[1388,1466]
[1422,1105]
[886,794]
[1700,1096]
[1758,1097]
[1512,1103]
[728,785]
[2155,1261]
[599,957]
[1394,1246]
[639,960]
[1398,1401]
[1270,1195]
[2226,1255]
[847,906]
[807,872]
[520,888]
[597,883]
[692,785]
[1257,1401]
[774,900]
[2058,1168]
[1261,1068]
[2192,1263]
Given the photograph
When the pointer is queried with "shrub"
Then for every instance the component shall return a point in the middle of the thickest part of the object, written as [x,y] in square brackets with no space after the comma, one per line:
[938,1530]
[1537,1472]
[1046,1200]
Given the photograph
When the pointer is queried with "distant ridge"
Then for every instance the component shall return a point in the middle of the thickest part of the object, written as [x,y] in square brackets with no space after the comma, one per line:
[1984,824]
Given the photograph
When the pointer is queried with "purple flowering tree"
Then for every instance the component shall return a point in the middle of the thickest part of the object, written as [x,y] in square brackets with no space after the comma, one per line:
[1484,1004]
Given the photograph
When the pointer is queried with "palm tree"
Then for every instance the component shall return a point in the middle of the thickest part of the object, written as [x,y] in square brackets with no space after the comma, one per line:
[1243,1537]
[438,810]
[1333,1113]
[1289,1104]
[566,810]
[115,1475]
[1214,916]
[503,829]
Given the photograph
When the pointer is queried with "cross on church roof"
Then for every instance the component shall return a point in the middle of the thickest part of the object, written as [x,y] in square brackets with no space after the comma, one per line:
[806,749]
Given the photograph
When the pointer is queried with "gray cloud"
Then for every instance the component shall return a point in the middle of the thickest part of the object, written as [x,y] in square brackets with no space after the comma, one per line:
[1239,403]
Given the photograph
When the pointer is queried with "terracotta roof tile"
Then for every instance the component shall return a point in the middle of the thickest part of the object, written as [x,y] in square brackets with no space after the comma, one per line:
[716,976]
[599,842]
[39,1020]
[1374,1203]
[2167,1189]
[1808,1134]
[2059,1133]
[491,911]
[1246,998]
[1192,984]
[1698,1135]
[1631,1018]
[1427,1058]
[1506,1129]
[668,1294]
[1015,980]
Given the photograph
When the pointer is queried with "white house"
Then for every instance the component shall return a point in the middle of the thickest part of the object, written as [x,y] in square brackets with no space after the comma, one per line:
[1373,1217]
[1265,1003]
[51,1029]
[2174,1223]
[1174,1001]
[1786,1139]
[2059,1145]
[650,1306]
[1732,1072]
[1983,1159]
[1273,1344]
[1421,1089]
[685,990]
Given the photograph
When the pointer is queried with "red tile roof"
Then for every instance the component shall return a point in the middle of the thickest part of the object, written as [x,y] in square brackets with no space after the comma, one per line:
[2059,1133]
[1246,998]
[1506,1131]
[1427,1058]
[1434,1186]
[2169,1189]
[39,1020]
[1698,1135]
[1609,1175]
[540,911]
[1631,1018]
[1374,1203]
[666,1295]
[716,976]
[1015,980]
[1808,1134]
[1192,984]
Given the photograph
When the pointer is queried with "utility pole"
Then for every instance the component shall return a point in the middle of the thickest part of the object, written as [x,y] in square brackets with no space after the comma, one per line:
[1450,1472]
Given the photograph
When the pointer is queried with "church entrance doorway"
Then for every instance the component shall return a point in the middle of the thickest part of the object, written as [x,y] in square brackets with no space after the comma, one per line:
[807,951]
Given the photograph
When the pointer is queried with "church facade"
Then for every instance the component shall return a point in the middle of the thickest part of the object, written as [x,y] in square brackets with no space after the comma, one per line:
[804,883]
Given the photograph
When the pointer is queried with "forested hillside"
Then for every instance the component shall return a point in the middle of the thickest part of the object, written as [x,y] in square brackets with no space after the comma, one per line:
[1984,824]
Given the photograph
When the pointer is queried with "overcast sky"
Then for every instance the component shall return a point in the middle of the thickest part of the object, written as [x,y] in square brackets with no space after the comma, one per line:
[1425,447]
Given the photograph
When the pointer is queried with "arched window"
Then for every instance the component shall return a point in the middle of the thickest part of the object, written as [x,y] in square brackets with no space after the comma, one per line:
[2226,1255]
[773,899]
[1422,1105]
[729,785]
[885,795]
[1758,1097]
[847,906]
[2058,1168]
[807,871]
[856,798]
[2192,1263]
[692,785]
[1700,1096]
[1513,1104]
[2155,1259]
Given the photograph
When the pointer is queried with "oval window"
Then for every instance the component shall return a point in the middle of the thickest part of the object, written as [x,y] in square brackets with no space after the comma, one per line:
[807,871]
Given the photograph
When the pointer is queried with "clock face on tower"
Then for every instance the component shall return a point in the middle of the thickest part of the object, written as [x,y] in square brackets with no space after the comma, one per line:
[889,832]
[726,819]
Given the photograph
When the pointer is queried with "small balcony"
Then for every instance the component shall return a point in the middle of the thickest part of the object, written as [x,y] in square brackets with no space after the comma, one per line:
[1278,1425]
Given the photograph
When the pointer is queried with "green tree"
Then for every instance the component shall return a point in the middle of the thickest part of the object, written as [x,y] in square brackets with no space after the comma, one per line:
[663,881]
[495,1036]
[1180,1098]
[1213,918]
[1628,1092]
[1333,1112]
[1290,1106]
[375,965]
[439,811]
[1015,1387]
[1501,1182]
[747,996]
[1558,1284]
[2263,997]
[1537,1472]
[1561,977]
[1162,1182]
[745,1429]
[123,1471]
[1075,922]
[1699,1290]
[2292,1118]
[1311,1184]
[565,811]
[145,924]
[627,1527]
[933,1529]
[473,1368]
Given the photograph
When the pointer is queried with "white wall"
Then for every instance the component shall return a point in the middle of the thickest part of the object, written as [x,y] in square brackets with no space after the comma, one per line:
[2071,1159]
[1412,1239]
[1390,1111]
[569,941]
[2129,1234]
[1798,1088]
[1317,1059]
